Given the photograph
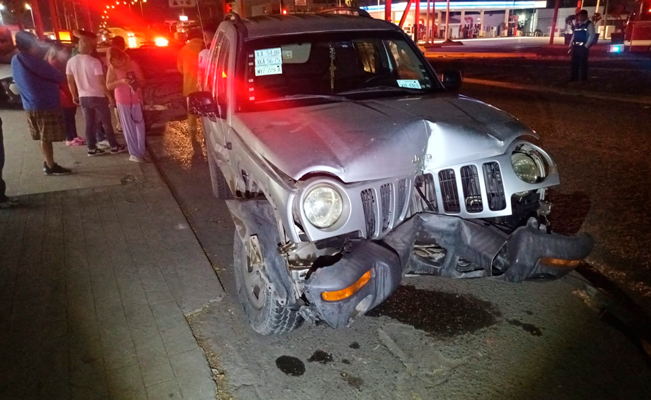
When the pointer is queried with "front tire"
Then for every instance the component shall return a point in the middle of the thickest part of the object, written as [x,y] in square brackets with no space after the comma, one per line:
[260,303]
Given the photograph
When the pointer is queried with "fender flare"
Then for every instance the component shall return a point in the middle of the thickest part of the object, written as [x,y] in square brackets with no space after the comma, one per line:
[257,217]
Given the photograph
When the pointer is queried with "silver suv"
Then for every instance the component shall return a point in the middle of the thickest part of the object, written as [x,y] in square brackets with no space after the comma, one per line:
[346,164]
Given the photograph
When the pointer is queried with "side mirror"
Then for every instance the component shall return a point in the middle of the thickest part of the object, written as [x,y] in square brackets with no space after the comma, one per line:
[452,80]
[202,104]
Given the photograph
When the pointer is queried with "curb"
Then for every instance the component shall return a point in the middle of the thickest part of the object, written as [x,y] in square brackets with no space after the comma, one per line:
[512,55]
[459,54]
[646,100]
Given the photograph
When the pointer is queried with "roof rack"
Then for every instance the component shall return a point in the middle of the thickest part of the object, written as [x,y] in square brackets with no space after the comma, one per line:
[347,11]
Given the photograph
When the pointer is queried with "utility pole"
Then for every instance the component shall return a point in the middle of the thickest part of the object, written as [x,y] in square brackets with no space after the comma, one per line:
[66,18]
[447,21]
[89,21]
[428,35]
[417,22]
[74,14]
[553,33]
[55,18]
[606,19]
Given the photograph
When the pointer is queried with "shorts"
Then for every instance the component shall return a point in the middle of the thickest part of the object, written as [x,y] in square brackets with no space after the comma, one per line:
[46,125]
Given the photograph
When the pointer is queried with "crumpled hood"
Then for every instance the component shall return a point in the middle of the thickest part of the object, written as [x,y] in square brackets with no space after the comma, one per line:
[377,139]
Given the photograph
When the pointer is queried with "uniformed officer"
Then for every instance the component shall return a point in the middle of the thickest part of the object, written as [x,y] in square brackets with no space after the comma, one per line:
[582,39]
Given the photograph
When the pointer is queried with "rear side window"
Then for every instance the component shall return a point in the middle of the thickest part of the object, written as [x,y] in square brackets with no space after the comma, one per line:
[214,57]
[222,71]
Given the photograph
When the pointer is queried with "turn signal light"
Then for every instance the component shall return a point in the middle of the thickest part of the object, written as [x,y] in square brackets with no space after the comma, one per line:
[349,291]
[558,262]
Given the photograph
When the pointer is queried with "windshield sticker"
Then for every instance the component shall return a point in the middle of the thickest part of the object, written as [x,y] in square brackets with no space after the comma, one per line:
[268,62]
[409,83]
[269,70]
[287,55]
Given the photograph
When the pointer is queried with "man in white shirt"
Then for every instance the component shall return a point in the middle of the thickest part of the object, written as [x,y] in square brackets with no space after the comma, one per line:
[88,86]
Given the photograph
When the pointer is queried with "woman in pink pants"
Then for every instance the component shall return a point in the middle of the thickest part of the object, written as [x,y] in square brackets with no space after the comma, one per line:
[125,77]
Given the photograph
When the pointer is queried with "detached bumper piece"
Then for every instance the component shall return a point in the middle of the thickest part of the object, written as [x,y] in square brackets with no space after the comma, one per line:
[367,274]
[529,253]
[363,278]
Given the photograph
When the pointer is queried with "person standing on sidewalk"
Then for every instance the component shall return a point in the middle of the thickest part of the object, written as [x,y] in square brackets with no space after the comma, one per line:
[125,77]
[38,83]
[117,42]
[582,39]
[77,34]
[188,65]
[88,87]
[5,202]
[209,30]
[58,57]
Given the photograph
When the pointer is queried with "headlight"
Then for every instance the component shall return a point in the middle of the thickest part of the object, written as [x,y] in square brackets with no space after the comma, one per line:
[526,168]
[323,206]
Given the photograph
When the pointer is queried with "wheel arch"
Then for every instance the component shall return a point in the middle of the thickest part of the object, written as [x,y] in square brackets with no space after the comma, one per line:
[254,217]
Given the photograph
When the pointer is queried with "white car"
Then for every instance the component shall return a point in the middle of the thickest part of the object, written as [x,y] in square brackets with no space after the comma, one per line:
[9,95]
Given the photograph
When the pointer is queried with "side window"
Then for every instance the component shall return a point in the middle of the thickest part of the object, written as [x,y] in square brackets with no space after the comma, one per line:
[212,67]
[221,74]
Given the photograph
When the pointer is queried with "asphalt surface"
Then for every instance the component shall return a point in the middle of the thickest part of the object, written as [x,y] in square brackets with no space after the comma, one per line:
[440,338]
[626,75]
[601,149]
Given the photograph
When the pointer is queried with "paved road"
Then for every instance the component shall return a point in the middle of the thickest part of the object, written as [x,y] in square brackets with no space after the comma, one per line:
[439,338]
[601,148]
[631,76]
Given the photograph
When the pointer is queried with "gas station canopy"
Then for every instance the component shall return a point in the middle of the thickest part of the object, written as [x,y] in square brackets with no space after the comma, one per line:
[466,5]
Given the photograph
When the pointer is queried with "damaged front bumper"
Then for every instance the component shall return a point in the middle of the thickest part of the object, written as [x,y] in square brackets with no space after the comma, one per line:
[529,253]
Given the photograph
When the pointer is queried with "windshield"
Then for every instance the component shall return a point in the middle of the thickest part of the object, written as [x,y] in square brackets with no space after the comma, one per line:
[334,67]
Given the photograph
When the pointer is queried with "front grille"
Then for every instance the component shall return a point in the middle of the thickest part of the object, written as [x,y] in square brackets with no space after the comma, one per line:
[368,202]
[385,201]
[426,190]
[449,191]
[494,186]
[471,189]
[402,197]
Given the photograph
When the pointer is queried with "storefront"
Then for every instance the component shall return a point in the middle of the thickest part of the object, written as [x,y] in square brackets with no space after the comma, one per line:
[467,19]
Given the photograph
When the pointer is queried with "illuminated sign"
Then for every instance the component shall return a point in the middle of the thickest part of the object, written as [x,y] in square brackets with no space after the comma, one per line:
[465,5]
[182,3]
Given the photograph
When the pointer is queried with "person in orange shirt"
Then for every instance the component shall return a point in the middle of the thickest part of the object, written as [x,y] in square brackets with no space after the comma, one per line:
[188,65]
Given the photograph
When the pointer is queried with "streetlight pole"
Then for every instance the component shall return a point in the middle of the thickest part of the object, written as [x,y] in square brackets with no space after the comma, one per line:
[31,12]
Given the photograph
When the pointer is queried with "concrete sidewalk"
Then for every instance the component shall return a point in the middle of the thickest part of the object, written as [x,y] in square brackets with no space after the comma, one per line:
[99,273]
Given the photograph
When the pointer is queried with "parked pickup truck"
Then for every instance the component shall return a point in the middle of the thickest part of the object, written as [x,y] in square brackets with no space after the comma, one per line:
[347,163]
